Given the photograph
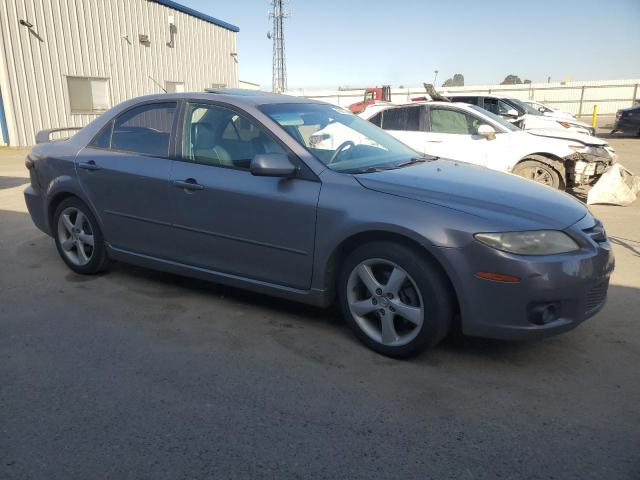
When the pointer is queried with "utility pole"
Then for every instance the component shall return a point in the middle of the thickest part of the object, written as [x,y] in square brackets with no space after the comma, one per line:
[279,77]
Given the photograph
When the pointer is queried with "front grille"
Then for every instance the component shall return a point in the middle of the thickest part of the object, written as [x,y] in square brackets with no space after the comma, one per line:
[597,232]
[596,296]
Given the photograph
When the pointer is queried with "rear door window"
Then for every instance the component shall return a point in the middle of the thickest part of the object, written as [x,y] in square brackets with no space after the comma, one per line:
[497,106]
[403,118]
[145,130]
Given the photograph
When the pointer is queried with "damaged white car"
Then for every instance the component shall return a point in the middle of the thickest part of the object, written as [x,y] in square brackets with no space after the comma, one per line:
[468,133]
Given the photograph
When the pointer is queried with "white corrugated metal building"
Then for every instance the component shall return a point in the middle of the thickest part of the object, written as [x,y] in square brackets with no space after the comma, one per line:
[63,62]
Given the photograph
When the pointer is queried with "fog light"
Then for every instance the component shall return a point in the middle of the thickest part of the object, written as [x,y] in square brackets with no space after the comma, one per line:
[544,313]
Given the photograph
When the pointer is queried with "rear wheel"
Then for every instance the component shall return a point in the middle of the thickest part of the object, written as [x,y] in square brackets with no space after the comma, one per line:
[395,300]
[539,172]
[78,237]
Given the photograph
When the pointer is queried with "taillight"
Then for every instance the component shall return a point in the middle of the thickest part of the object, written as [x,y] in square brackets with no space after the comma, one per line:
[28,162]
[619,114]
[565,124]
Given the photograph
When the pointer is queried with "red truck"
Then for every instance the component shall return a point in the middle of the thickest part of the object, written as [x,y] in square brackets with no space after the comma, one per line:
[371,96]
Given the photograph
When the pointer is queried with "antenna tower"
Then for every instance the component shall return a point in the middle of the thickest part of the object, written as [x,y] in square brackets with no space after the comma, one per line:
[278,14]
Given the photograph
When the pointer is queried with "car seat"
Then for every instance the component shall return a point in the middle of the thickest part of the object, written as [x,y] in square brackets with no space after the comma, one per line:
[205,147]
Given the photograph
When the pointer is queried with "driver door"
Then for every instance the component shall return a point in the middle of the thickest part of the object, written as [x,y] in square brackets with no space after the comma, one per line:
[227,220]
[453,134]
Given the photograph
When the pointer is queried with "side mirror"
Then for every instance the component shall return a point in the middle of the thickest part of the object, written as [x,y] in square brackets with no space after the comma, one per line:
[272,165]
[512,113]
[487,131]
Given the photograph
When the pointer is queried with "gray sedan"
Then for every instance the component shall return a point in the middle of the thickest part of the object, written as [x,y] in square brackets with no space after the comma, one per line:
[244,189]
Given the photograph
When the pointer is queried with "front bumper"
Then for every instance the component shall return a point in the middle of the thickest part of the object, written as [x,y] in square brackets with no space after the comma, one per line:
[575,284]
[584,169]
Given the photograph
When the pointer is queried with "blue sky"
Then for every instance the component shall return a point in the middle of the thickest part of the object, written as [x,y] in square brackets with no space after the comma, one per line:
[357,42]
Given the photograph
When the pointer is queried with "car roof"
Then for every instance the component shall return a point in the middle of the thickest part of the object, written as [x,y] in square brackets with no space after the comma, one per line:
[379,107]
[486,95]
[233,96]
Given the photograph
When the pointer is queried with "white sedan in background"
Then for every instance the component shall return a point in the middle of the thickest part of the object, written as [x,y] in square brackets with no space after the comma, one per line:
[468,133]
[548,111]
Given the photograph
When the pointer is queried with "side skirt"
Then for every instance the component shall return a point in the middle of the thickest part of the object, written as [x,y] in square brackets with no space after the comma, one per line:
[314,297]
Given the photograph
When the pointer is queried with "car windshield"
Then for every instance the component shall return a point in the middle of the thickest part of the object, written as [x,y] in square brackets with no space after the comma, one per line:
[526,107]
[342,141]
[496,118]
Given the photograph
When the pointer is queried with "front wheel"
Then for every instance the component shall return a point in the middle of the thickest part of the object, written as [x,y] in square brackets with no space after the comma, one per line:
[395,299]
[538,172]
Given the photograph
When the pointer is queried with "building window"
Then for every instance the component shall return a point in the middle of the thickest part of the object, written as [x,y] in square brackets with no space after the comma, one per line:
[88,95]
[174,87]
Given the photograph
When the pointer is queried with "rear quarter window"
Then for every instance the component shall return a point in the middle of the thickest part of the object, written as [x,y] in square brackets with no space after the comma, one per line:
[103,139]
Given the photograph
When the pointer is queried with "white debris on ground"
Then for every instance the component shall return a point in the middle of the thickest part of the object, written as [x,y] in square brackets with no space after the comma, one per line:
[616,186]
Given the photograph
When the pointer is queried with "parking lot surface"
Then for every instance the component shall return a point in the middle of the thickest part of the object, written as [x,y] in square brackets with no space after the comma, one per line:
[140,374]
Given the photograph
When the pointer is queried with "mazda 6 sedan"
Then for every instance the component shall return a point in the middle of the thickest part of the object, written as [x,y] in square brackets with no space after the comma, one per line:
[230,186]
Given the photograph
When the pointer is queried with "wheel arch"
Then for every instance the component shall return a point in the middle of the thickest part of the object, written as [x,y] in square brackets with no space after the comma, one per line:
[350,243]
[56,197]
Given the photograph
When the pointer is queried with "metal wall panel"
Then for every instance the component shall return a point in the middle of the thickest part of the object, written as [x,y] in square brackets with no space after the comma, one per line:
[100,38]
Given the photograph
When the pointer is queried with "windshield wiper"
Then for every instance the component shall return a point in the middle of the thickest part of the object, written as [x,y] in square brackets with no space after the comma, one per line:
[413,161]
[395,166]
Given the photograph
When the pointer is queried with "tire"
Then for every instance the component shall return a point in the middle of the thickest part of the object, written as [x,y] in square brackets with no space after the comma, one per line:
[75,229]
[539,172]
[424,296]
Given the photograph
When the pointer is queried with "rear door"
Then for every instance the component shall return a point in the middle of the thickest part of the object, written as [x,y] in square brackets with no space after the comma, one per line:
[227,220]
[124,172]
[406,124]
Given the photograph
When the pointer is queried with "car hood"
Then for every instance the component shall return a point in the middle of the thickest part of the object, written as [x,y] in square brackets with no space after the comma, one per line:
[567,135]
[571,121]
[511,201]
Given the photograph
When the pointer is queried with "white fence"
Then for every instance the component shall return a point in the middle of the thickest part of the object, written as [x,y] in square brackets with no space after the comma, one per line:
[574,97]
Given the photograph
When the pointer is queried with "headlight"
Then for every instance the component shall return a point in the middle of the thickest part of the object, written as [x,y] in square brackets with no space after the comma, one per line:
[591,150]
[538,242]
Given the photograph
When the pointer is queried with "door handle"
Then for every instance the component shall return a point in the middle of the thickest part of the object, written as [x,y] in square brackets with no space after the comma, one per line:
[188,184]
[90,165]
[434,141]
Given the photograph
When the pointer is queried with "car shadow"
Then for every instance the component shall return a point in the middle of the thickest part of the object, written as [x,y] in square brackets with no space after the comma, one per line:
[159,278]
[10,182]
[618,135]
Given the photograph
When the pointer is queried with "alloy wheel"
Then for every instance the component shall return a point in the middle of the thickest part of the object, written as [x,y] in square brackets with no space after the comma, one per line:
[385,302]
[75,236]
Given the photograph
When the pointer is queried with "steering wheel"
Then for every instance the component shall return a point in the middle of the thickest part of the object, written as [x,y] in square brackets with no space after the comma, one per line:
[340,149]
